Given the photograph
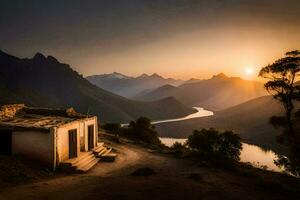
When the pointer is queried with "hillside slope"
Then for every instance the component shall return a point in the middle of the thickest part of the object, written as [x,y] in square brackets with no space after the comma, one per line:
[218,93]
[157,93]
[42,81]
[249,119]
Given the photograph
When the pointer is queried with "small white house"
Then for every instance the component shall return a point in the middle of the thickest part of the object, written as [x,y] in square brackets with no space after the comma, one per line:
[50,136]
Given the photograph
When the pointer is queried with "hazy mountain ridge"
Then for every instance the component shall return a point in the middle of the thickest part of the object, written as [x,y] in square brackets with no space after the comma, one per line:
[157,93]
[130,86]
[217,93]
[44,81]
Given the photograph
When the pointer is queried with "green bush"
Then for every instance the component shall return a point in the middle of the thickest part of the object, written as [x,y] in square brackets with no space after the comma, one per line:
[209,143]
[114,128]
[141,130]
[178,148]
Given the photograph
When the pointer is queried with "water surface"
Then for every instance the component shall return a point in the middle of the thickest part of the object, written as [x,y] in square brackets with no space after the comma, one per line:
[252,154]
[200,113]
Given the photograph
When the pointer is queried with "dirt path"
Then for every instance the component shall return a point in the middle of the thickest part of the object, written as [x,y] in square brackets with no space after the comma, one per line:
[113,181]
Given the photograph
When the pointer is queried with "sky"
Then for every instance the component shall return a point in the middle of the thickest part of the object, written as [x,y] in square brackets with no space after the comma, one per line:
[174,38]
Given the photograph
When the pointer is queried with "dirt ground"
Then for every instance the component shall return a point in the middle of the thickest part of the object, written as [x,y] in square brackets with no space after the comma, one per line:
[172,180]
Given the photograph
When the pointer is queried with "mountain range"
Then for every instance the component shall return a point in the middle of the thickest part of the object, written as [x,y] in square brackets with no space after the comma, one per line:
[130,86]
[44,81]
[217,93]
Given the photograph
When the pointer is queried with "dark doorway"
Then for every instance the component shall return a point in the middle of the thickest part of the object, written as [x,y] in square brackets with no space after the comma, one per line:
[5,142]
[73,143]
[90,137]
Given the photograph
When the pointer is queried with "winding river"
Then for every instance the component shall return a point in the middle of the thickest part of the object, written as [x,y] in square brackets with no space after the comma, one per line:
[252,154]
[200,113]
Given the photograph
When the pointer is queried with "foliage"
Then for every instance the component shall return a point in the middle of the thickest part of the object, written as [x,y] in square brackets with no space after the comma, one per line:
[282,75]
[179,148]
[139,130]
[142,130]
[288,165]
[114,128]
[211,143]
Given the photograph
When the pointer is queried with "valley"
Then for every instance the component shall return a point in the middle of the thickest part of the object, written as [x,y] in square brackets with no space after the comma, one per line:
[250,120]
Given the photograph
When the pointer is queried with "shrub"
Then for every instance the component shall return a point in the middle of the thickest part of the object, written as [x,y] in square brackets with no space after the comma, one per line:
[179,148]
[209,143]
[114,128]
[142,130]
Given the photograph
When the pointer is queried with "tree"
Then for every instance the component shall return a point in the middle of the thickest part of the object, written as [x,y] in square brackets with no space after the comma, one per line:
[210,143]
[142,130]
[282,75]
[114,128]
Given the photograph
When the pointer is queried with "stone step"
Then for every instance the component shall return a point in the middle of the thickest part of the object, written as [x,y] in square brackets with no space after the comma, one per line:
[83,160]
[99,146]
[87,160]
[73,161]
[99,150]
[106,152]
[87,166]
[102,152]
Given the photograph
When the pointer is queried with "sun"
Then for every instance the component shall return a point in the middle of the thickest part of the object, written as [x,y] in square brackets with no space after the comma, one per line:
[249,71]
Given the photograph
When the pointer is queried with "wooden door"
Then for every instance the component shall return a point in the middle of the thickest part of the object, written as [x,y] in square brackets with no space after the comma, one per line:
[73,143]
[5,142]
[90,137]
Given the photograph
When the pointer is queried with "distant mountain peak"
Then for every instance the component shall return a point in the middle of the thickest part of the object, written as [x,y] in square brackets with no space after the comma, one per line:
[155,75]
[39,56]
[143,75]
[117,75]
[220,76]
[52,59]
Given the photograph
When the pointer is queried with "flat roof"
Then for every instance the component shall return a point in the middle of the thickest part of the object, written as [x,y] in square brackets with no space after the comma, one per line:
[19,117]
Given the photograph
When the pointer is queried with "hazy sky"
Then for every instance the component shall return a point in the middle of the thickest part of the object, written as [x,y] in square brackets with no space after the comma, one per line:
[175,38]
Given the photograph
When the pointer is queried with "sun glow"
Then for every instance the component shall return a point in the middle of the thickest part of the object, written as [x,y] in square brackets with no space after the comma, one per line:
[249,71]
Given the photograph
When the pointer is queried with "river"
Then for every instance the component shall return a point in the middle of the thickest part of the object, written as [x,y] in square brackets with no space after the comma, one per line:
[200,113]
[252,154]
